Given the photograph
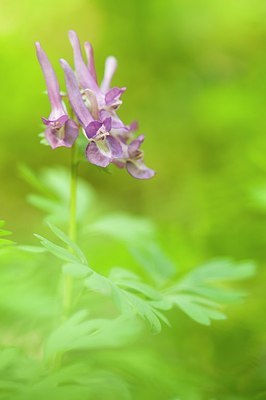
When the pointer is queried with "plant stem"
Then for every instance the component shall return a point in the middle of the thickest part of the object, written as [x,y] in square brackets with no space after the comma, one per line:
[73,195]
[72,230]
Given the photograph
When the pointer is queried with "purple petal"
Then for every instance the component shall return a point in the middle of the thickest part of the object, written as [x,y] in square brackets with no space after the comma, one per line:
[114,146]
[84,76]
[51,83]
[119,163]
[110,67]
[74,95]
[116,121]
[139,170]
[90,57]
[71,133]
[58,122]
[134,146]
[92,129]
[107,124]
[96,156]
[64,136]
[113,94]
[133,126]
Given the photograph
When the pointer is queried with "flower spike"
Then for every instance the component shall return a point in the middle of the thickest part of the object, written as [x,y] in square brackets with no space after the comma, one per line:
[95,109]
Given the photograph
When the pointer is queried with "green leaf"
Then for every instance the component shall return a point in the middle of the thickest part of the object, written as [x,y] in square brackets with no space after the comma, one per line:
[195,310]
[144,309]
[62,236]
[77,270]
[129,293]
[124,227]
[30,177]
[201,293]
[32,249]
[152,258]
[58,251]
[6,242]
[219,271]
[79,333]
[52,197]
[3,232]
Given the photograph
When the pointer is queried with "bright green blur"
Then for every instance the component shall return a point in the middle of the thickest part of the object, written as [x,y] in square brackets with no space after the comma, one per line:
[195,71]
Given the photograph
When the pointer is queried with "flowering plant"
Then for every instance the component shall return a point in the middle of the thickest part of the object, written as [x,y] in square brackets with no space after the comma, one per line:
[94,110]
[71,306]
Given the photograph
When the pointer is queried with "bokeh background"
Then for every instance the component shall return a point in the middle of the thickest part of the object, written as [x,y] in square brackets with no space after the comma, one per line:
[196,77]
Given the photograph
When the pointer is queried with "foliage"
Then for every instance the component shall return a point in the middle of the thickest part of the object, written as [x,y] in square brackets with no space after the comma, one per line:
[88,354]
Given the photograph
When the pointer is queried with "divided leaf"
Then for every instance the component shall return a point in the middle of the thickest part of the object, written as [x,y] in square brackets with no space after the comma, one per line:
[201,293]
[52,186]
[78,333]
[129,293]
[155,262]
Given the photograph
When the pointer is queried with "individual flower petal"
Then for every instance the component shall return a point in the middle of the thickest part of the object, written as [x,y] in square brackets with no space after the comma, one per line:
[113,94]
[93,128]
[90,58]
[104,150]
[71,133]
[133,126]
[52,85]
[114,147]
[116,121]
[74,95]
[98,127]
[133,147]
[96,156]
[110,67]
[59,122]
[83,74]
[107,124]
[63,136]
[138,170]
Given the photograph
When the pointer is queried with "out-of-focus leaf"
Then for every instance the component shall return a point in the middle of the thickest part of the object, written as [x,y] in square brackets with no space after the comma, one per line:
[4,232]
[197,309]
[79,333]
[220,271]
[127,280]
[52,186]
[126,228]
[128,293]
[32,249]
[155,262]
[76,270]
[201,293]
[58,251]
[62,236]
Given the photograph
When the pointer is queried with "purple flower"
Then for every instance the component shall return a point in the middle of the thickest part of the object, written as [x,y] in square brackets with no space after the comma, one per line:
[60,130]
[103,147]
[133,160]
[95,108]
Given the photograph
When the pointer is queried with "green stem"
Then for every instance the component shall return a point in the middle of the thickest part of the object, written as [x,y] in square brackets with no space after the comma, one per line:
[72,231]
[73,195]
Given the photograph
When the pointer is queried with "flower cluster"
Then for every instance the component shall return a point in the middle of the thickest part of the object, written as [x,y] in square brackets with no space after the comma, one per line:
[93,108]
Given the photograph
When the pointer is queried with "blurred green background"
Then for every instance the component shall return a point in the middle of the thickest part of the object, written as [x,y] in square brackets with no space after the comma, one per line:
[196,77]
